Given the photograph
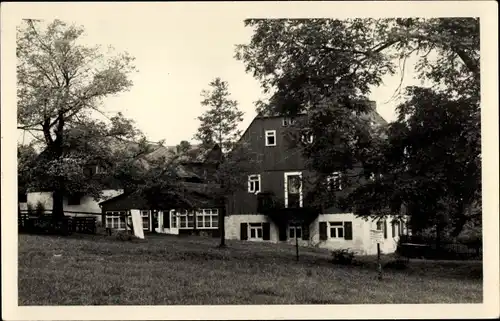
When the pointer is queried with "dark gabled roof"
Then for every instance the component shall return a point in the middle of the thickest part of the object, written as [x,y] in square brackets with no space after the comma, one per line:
[196,195]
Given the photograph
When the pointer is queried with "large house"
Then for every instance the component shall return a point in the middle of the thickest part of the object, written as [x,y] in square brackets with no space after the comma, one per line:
[280,180]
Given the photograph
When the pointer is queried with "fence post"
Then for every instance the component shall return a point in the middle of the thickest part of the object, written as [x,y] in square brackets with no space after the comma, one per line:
[379,265]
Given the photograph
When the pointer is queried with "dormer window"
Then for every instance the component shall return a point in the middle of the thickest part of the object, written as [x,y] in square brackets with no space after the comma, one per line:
[334,181]
[374,176]
[287,121]
[270,138]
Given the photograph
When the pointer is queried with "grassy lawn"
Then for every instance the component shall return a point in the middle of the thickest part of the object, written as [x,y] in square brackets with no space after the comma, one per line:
[167,270]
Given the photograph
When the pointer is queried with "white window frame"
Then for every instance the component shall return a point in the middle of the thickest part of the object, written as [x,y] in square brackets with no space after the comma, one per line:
[333,177]
[307,138]
[205,216]
[145,215]
[185,214]
[173,219]
[115,218]
[270,133]
[337,225]
[373,177]
[251,183]
[287,121]
[286,187]
[256,227]
[295,229]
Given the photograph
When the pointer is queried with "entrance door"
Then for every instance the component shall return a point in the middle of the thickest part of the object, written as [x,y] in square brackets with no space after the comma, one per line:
[293,190]
[174,222]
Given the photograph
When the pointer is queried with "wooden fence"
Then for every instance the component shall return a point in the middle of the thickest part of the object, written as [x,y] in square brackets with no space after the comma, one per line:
[45,224]
[418,247]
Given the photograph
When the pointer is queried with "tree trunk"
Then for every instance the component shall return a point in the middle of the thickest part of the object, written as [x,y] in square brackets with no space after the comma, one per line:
[222,228]
[56,146]
[438,236]
[58,203]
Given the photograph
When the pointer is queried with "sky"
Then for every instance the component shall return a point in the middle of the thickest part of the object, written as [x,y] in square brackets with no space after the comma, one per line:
[178,52]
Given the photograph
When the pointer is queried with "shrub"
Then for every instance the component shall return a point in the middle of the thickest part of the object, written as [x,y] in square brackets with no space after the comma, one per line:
[343,256]
[30,209]
[125,236]
[39,208]
[397,264]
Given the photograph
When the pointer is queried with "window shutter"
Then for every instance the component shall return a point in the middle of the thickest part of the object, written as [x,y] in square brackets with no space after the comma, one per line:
[305,231]
[243,231]
[166,219]
[385,229]
[266,231]
[348,230]
[322,231]
[393,229]
[282,232]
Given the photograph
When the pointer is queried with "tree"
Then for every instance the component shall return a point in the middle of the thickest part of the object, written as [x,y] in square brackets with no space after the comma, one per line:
[219,124]
[60,82]
[325,69]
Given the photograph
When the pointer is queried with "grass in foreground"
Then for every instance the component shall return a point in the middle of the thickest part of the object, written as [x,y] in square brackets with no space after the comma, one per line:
[168,270]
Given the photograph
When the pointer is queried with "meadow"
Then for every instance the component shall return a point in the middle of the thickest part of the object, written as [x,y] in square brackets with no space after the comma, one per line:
[172,270]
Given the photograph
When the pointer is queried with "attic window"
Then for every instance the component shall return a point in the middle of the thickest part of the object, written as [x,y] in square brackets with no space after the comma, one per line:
[287,121]
[270,138]
[334,181]
[307,138]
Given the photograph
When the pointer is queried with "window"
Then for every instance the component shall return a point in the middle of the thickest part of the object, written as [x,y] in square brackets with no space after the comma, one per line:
[374,176]
[307,138]
[186,219]
[336,230]
[379,225]
[173,219]
[295,231]
[116,220]
[287,121]
[256,231]
[207,218]
[334,181]
[74,199]
[254,183]
[145,219]
[293,189]
[99,169]
[270,138]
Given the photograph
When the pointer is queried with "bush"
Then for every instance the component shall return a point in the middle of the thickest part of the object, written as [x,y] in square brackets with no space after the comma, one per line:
[397,264]
[39,208]
[343,256]
[30,209]
[125,236]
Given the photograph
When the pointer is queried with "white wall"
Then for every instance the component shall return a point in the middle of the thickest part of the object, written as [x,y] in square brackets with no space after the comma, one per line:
[87,203]
[361,242]
[232,225]
[359,233]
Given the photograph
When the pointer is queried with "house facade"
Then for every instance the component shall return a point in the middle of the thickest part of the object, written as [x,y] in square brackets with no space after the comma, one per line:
[281,180]
[195,212]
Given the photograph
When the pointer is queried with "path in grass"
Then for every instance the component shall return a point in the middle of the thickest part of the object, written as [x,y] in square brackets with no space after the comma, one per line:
[166,270]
